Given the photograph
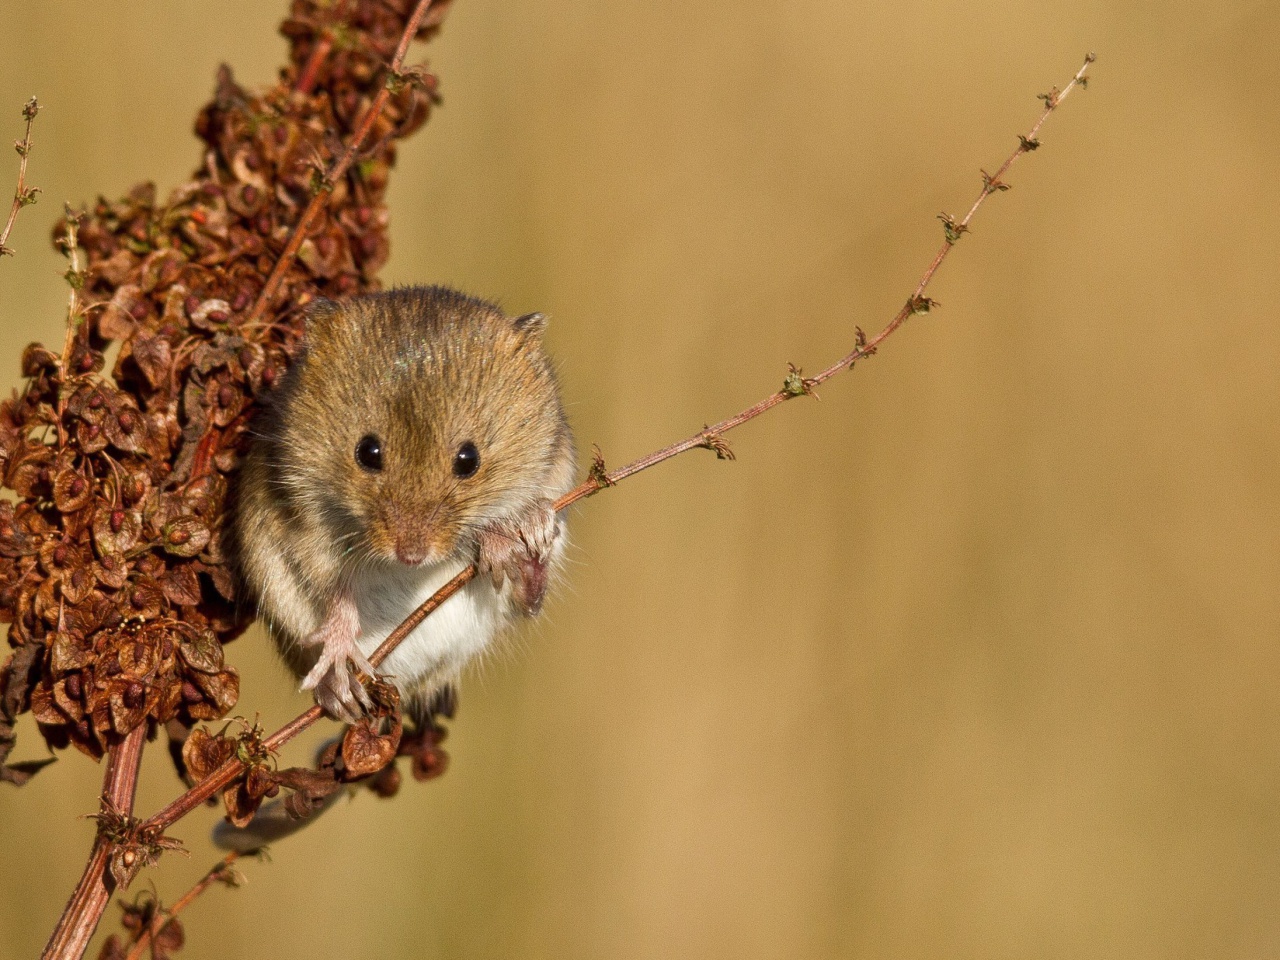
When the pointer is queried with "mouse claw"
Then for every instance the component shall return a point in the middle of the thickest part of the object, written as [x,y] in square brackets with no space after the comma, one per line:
[338,689]
[521,550]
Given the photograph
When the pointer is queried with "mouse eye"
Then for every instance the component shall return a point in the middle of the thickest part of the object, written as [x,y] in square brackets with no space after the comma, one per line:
[369,452]
[466,461]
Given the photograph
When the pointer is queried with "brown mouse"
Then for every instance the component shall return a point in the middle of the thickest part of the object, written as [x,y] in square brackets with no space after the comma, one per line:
[418,431]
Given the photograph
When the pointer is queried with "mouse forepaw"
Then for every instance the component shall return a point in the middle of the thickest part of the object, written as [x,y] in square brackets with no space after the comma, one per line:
[338,689]
[521,550]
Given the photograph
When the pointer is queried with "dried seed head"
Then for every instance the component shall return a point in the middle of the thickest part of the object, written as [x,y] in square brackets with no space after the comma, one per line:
[111,576]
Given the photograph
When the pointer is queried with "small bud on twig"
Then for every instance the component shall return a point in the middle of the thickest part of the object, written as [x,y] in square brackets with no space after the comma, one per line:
[598,474]
[952,227]
[714,441]
[991,184]
[22,195]
[795,385]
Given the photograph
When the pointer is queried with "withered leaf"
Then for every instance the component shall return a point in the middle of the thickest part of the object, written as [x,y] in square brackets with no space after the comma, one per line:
[154,358]
[202,754]
[185,536]
[160,269]
[138,656]
[222,690]
[90,402]
[70,705]
[68,653]
[116,268]
[37,358]
[240,805]
[365,751]
[21,772]
[58,554]
[223,582]
[78,584]
[126,430]
[28,470]
[310,788]
[43,706]
[200,649]
[115,530]
[93,613]
[261,781]
[127,711]
[181,586]
[141,598]
[211,314]
[90,437]
[47,606]
[112,570]
[169,940]
[119,318]
[71,491]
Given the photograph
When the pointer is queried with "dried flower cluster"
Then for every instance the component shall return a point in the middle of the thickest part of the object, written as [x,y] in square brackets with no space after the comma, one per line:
[113,565]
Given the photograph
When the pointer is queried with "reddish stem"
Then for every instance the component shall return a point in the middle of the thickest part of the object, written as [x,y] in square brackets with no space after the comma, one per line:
[337,171]
[599,480]
[229,771]
[80,917]
[311,71]
[21,195]
[162,917]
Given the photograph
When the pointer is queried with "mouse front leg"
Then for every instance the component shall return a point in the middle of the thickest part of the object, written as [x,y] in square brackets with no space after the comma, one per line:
[338,690]
[522,549]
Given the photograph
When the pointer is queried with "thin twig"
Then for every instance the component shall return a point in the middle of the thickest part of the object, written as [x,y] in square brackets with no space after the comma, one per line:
[75,279]
[711,437]
[339,169]
[220,872]
[232,769]
[310,74]
[83,911]
[23,195]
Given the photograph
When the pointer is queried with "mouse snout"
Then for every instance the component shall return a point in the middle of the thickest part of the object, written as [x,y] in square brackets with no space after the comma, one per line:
[411,536]
[411,553]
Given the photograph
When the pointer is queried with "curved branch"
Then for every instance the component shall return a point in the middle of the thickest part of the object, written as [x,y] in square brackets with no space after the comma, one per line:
[710,437]
[335,173]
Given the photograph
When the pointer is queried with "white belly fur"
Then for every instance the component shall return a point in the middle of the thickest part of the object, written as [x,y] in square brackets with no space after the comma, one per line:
[444,642]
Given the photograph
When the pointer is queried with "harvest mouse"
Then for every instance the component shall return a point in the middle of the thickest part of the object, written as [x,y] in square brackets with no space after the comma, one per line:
[419,430]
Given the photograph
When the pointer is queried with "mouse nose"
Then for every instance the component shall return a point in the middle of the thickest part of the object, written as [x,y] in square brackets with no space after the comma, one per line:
[411,553]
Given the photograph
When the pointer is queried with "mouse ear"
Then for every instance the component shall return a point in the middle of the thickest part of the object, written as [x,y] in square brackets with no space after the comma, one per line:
[318,311]
[531,323]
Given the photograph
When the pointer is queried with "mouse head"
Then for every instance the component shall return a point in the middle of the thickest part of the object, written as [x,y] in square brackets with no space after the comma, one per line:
[413,419]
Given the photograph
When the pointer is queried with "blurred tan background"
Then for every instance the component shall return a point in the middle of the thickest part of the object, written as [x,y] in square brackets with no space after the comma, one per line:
[977,657]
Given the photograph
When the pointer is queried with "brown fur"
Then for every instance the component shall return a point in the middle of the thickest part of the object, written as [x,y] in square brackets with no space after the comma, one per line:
[424,369]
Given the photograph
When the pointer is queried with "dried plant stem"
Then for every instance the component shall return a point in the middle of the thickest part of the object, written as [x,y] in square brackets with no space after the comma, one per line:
[796,386]
[339,168]
[709,437]
[83,911]
[228,772]
[23,194]
[311,70]
[218,873]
